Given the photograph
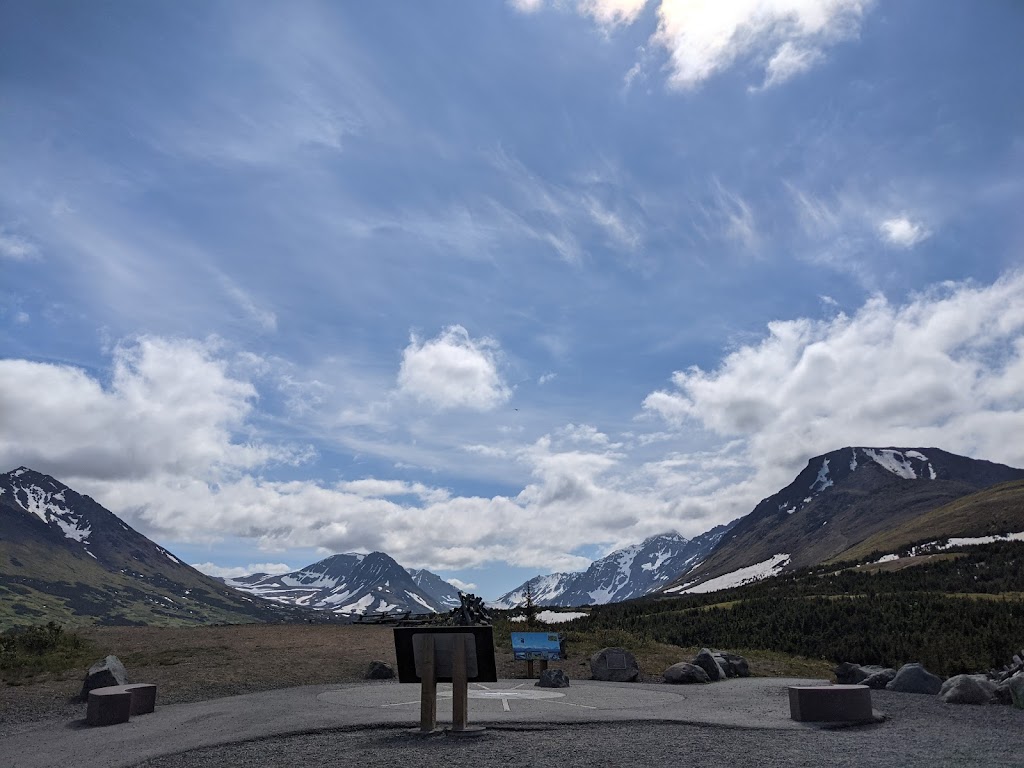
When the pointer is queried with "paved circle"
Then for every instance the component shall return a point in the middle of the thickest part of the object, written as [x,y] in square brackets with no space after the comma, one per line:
[515,695]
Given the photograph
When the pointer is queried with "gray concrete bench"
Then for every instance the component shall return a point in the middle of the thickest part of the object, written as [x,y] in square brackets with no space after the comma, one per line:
[830,703]
[116,703]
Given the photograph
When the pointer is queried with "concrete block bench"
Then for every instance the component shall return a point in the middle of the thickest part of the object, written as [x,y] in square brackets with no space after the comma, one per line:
[831,703]
[116,703]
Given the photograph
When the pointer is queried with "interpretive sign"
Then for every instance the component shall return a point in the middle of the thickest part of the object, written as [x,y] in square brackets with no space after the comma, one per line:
[409,651]
[538,646]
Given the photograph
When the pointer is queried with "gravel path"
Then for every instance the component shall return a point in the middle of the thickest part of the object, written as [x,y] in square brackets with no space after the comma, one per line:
[920,731]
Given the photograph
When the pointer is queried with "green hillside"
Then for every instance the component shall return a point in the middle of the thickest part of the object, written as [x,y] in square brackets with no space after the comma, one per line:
[995,510]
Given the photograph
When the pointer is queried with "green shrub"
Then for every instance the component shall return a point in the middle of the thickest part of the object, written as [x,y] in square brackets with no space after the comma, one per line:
[28,652]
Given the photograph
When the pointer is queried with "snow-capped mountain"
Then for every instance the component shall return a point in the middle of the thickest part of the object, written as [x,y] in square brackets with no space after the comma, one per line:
[354,583]
[439,590]
[633,571]
[839,499]
[65,558]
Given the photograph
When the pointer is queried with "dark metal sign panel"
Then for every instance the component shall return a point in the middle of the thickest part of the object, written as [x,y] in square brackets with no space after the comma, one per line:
[480,662]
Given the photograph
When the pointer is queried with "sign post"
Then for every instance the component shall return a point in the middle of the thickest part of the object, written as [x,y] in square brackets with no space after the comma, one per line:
[459,655]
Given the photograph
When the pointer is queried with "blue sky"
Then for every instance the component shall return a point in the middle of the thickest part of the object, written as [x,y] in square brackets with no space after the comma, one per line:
[499,287]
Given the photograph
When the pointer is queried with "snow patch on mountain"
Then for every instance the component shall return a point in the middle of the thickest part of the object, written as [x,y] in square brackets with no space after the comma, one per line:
[894,461]
[751,573]
[823,480]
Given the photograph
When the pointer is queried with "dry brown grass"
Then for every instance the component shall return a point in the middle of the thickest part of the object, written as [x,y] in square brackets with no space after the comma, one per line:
[195,663]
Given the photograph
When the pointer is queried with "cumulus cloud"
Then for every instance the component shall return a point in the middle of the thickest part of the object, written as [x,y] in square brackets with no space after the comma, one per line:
[170,406]
[902,232]
[706,38]
[943,369]
[461,585]
[702,39]
[212,569]
[454,371]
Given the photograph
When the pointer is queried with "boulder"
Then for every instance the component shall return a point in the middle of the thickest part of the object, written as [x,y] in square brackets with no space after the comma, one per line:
[844,673]
[1003,693]
[913,678]
[380,670]
[103,674]
[968,689]
[1016,686]
[878,680]
[553,678]
[615,665]
[733,664]
[683,673]
[706,661]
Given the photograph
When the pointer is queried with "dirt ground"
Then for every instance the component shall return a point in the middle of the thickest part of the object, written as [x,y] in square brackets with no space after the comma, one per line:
[196,663]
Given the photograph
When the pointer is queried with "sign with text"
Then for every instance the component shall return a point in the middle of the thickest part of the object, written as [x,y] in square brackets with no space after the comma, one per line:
[538,646]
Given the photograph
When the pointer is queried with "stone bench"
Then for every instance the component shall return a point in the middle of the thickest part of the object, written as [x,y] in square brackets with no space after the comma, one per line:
[831,704]
[116,703]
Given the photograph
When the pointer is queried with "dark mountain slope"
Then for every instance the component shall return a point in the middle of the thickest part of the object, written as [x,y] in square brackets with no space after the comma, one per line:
[842,498]
[64,557]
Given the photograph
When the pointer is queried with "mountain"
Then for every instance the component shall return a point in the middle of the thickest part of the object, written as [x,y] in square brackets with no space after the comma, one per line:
[354,583]
[839,500]
[995,511]
[436,588]
[636,570]
[65,558]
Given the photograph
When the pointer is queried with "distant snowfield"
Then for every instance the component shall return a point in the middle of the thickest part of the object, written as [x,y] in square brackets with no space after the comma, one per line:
[553,617]
[933,546]
[738,578]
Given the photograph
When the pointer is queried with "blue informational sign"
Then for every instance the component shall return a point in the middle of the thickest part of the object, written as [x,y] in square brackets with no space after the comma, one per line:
[538,646]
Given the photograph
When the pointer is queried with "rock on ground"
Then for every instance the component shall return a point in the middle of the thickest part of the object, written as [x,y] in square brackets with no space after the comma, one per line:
[1016,686]
[553,678]
[682,673]
[615,665]
[914,678]
[733,664]
[380,670]
[105,672]
[878,680]
[968,689]
[706,661]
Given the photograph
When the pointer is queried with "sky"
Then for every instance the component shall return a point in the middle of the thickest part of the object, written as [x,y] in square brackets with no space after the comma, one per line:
[499,287]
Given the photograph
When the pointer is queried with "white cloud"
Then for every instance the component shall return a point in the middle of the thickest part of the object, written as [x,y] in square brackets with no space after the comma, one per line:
[462,586]
[372,488]
[546,377]
[704,39]
[943,370]
[454,371]
[789,60]
[212,569]
[21,318]
[264,318]
[612,13]
[171,406]
[527,6]
[16,247]
[902,232]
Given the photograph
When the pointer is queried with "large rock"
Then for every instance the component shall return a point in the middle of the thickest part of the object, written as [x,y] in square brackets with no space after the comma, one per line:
[968,689]
[1016,686]
[878,680]
[615,665]
[380,670]
[913,678]
[733,664]
[844,673]
[706,661]
[104,673]
[849,673]
[553,678]
[683,673]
